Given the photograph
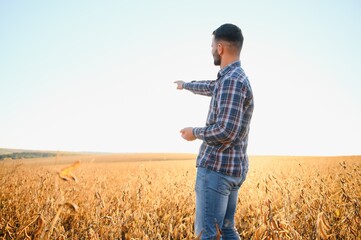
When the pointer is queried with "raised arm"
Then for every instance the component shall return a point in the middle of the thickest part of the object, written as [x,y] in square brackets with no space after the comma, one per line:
[197,87]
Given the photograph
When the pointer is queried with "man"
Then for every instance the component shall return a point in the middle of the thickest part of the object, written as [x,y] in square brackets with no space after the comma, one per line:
[222,162]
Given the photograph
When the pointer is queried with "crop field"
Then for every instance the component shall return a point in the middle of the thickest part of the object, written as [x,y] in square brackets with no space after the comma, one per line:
[151,196]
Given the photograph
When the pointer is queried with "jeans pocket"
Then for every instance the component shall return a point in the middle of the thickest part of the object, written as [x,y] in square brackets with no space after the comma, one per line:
[219,183]
[224,187]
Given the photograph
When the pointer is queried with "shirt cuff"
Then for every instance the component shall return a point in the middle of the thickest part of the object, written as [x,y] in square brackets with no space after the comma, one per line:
[198,133]
[185,85]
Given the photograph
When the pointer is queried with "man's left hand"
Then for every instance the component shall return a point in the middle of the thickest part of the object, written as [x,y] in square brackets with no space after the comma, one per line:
[187,134]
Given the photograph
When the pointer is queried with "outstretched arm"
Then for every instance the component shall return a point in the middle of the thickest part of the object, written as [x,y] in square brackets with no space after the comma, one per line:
[197,87]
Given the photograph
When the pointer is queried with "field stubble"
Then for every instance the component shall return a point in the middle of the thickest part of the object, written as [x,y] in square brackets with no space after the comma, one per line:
[131,197]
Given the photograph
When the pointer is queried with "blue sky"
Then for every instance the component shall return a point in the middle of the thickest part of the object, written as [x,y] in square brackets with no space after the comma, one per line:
[98,75]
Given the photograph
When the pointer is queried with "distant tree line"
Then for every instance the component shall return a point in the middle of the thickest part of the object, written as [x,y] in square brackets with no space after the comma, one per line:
[19,155]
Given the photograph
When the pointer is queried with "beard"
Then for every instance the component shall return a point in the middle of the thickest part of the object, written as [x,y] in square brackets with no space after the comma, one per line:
[216,58]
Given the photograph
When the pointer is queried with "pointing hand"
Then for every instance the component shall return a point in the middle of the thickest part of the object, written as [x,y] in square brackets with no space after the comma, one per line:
[179,84]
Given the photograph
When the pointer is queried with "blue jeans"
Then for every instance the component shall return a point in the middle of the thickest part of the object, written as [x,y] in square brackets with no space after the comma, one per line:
[216,201]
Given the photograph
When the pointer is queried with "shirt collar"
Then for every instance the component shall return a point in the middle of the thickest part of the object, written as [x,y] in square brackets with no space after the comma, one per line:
[223,71]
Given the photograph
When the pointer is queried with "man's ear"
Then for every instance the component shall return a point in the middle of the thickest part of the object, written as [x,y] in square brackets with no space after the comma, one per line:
[220,49]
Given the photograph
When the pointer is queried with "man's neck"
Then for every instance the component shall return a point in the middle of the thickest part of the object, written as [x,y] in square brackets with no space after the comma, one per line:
[228,60]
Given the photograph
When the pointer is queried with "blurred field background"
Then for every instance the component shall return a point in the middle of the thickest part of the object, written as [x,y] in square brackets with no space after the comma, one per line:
[151,196]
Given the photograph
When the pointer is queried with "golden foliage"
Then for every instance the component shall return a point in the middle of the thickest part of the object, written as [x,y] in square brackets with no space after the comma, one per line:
[282,198]
[67,173]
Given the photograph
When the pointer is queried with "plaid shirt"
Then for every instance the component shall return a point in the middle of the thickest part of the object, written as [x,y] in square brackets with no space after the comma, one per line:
[225,136]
